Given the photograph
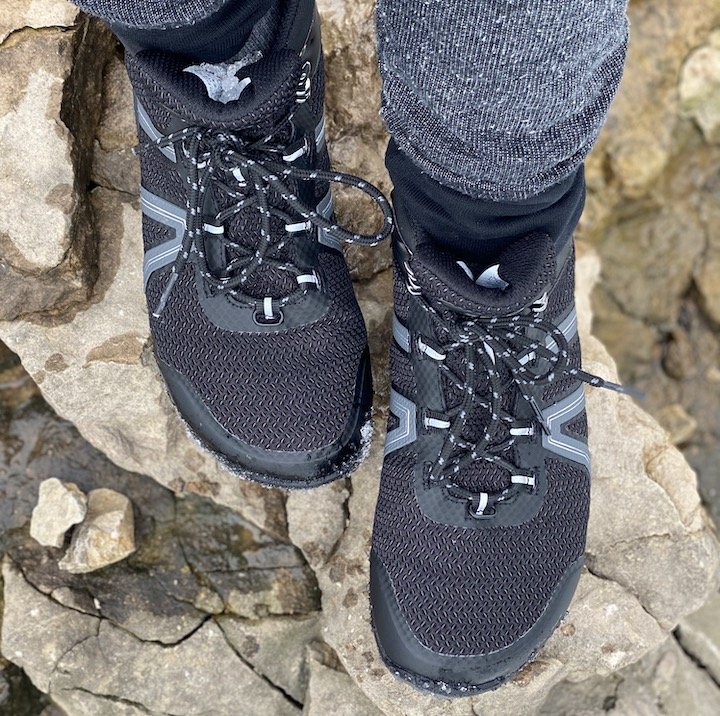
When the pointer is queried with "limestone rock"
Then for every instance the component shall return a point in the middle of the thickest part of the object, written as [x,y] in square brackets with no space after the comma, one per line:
[680,426]
[317,537]
[357,134]
[700,87]
[656,156]
[29,617]
[331,690]
[192,554]
[44,231]
[114,164]
[18,14]
[352,69]
[276,648]
[707,278]
[106,536]
[587,648]
[699,635]
[666,682]
[18,696]
[661,248]
[60,506]
[88,656]
[200,674]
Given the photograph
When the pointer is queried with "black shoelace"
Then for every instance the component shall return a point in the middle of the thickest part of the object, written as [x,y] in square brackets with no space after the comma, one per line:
[246,173]
[498,355]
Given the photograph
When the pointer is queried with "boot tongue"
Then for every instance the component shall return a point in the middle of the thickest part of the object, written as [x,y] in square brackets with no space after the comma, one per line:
[251,95]
[504,286]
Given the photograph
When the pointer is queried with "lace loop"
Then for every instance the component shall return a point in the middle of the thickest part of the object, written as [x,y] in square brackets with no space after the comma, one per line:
[246,173]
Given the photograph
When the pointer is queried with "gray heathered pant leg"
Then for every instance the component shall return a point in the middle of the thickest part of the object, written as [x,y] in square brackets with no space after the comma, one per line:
[150,13]
[499,99]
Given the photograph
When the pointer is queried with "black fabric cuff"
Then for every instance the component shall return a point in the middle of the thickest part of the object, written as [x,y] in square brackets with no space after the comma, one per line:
[474,229]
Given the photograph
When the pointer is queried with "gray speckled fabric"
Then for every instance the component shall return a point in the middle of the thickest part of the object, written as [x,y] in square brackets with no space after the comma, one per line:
[499,99]
[151,13]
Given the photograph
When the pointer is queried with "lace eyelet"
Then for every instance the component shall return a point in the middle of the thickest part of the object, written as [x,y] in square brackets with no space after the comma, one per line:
[304,90]
[486,515]
[260,319]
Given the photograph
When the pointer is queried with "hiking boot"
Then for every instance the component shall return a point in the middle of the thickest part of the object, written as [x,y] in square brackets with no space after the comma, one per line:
[481,521]
[256,328]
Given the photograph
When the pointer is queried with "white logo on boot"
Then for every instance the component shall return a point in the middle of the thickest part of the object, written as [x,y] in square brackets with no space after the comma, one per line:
[221,80]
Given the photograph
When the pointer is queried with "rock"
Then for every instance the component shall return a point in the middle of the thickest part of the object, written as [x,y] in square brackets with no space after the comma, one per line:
[584,648]
[699,635]
[700,87]
[19,14]
[190,552]
[675,419]
[18,696]
[28,618]
[658,150]
[45,229]
[618,545]
[193,556]
[662,248]
[317,537]
[114,164]
[664,682]
[60,506]
[334,689]
[363,156]
[644,502]
[198,674]
[41,201]
[106,536]
[663,469]
[276,648]
[708,283]
[88,656]
[357,135]
[353,78]
[634,342]
[253,574]
[52,710]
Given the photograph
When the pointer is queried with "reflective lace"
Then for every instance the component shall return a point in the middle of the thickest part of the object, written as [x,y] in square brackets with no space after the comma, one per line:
[517,352]
[246,172]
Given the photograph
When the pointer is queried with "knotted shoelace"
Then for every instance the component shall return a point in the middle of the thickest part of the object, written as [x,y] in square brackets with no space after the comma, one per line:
[498,355]
[246,173]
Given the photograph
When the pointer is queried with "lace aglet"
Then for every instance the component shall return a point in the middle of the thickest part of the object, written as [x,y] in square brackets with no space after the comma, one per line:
[597,382]
[165,294]
[625,390]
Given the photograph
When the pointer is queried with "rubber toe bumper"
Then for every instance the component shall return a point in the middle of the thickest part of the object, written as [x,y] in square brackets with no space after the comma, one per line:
[456,675]
[277,468]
